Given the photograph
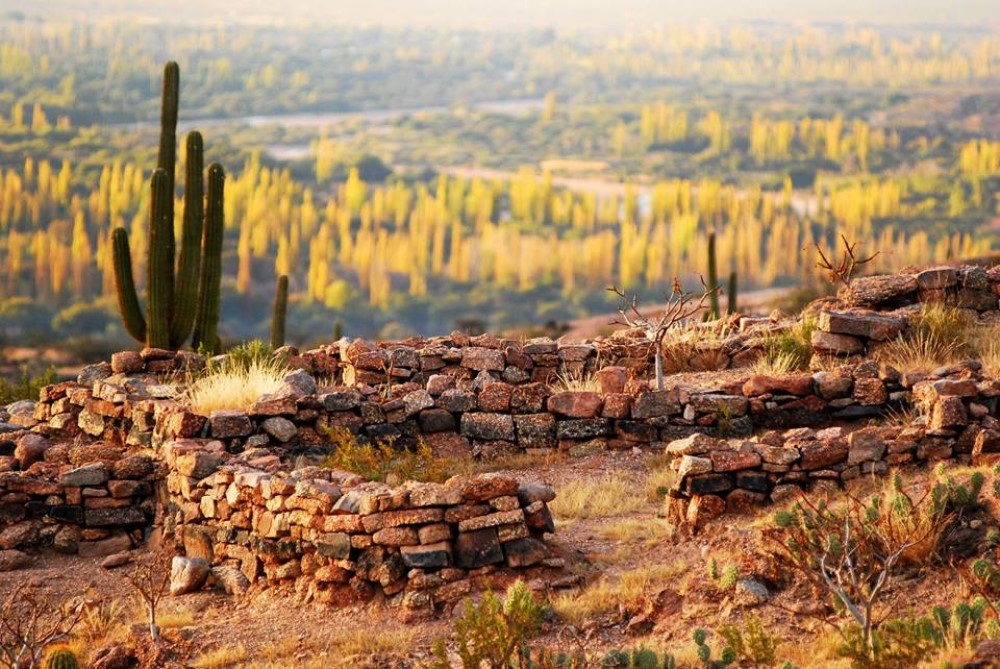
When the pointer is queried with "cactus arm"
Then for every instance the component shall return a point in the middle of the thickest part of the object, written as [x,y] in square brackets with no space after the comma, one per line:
[167,157]
[189,263]
[280,312]
[207,318]
[128,299]
[160,285]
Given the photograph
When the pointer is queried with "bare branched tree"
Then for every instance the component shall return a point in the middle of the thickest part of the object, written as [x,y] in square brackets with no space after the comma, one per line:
[849,262]
[31,619]
[680,307]
[150,578]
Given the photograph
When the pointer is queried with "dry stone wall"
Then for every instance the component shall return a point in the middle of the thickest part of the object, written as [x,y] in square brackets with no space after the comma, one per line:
[956,420]
[339,538]
[79,467]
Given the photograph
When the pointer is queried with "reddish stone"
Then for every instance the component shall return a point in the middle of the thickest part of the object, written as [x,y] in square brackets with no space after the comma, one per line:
[582,404]
[617,405]
[796,384]
[727,459]
[820,454]
[495,397]
[612,380]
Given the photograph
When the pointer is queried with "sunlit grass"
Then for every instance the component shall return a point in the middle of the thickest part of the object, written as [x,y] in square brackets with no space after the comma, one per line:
[220,658]
[234,386]
[610,495]
[611,594]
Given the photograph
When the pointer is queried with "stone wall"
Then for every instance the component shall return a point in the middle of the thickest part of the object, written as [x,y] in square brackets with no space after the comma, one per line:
[337,537]
[89,499]
[956,420]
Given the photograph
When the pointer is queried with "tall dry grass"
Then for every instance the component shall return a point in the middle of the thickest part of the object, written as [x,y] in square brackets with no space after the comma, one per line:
[234,386]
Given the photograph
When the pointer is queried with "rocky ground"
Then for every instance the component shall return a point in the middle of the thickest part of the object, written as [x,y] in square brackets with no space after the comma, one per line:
[611,530]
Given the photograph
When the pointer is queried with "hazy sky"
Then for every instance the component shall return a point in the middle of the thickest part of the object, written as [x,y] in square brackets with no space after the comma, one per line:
[570,14]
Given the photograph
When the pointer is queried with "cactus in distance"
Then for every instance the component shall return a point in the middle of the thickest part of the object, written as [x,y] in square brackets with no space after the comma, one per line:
[280,312]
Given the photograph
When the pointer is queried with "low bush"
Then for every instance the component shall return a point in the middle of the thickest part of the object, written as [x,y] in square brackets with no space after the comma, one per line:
[383,462]
[494,633]
[26,387]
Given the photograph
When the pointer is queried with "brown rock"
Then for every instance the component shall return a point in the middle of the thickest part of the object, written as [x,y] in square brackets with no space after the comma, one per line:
[870,392]
[875,290]
[948,412]
[478,549]
[729,458]
[495,397]
[482,359]
[612,380]
[579,404]
[702,509]
[865,445]
[823,453]
[792,384]
[862,324]
[488,486]
[837,344]
[12,560]
[396,536]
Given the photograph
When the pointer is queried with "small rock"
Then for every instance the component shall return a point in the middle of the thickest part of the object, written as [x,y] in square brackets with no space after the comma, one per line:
[13,560]
[280,428]
[187,575]
[116,560]
[297,384]
[749,593]
[115,657]
[231,580]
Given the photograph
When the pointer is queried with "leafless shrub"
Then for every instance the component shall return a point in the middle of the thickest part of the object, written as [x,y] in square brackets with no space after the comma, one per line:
[680,307]
[843,271]
[31,619]
[150,578]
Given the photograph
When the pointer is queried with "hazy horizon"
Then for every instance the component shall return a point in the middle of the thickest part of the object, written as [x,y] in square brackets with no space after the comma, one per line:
[514,14]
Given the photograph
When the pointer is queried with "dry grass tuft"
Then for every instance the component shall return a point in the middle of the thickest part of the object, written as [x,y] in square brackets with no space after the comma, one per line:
[782,362]
[631,530]
[939,335]
[220,658]
[234,386]
[611,495]
[608,595]
[575,383]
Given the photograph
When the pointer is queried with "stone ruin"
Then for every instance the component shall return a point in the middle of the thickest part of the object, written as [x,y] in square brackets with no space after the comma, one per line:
[95,462]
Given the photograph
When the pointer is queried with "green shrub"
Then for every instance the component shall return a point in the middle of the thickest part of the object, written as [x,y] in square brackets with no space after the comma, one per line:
[752,643]
[494,634]
[25,388]
[726,657]
[793,346]
[383,462]
[245,355]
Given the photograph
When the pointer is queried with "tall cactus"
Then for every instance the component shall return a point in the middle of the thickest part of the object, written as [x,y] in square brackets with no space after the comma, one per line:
[713,278]
[280,312]
[178,298]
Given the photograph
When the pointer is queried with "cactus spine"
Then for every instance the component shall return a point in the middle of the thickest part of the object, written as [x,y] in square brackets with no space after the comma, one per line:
[175,294]
[713,279]
[279,313]
[731,306]
[61,658]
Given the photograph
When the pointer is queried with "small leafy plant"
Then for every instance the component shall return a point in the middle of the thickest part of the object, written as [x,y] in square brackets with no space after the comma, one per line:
[383,462]
[494,633]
